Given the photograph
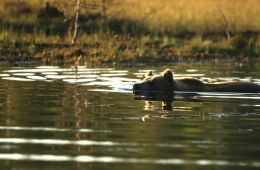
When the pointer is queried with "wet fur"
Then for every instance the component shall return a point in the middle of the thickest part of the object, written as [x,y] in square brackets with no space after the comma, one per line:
[167,83]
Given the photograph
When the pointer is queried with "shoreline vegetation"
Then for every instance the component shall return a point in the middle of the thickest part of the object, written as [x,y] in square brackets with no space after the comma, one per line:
[129,31]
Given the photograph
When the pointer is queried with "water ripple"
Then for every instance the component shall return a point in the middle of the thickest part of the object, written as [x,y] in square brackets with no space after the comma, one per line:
[58,142]
[17,79]
[49,129]
[84,143]
[110,159]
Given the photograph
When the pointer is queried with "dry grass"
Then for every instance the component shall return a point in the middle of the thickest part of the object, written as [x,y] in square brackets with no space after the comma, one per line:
[167,15]
[193,15]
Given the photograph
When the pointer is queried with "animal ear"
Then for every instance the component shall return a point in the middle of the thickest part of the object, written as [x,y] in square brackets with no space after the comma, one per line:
[149,73]
[167,74]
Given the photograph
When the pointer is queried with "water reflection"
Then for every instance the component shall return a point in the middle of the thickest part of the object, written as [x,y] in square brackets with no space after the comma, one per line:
[107,159]
[86,117]
[167,99]
[58,142]
[49,129]
[106,77]
[150,97]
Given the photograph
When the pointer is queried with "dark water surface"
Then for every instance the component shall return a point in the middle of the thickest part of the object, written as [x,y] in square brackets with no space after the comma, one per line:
[62,118]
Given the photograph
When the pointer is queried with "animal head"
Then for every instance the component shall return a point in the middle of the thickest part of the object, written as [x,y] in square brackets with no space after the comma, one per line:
[152,83]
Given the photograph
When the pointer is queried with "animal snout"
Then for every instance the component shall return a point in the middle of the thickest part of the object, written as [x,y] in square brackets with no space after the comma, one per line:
[136,87]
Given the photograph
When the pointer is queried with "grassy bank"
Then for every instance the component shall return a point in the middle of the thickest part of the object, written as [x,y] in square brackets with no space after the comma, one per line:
[130,31]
